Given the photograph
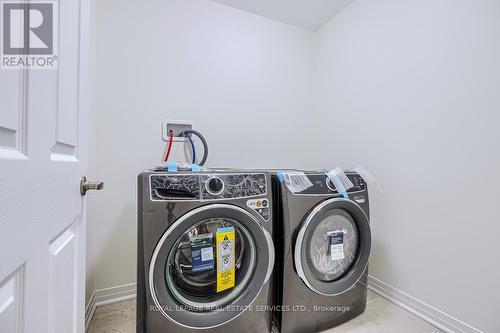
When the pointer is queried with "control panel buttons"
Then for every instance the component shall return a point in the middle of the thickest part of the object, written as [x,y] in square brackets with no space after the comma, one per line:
[214,185]
[357,182]
[330,184]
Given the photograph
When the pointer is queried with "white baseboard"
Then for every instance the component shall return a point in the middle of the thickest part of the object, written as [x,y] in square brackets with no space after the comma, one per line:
[89,311]
[422,310]
[108,296]
[435,317]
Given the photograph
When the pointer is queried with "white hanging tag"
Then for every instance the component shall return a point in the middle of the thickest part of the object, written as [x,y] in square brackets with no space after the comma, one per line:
[336,241]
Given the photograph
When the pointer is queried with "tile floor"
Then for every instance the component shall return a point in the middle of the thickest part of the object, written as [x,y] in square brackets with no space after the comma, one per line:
[381,316]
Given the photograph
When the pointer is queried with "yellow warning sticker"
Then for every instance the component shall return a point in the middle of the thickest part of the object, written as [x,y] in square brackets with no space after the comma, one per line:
[225,239]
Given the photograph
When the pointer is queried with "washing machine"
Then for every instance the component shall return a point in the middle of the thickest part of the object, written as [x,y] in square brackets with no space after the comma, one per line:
[205,252]
[322,242]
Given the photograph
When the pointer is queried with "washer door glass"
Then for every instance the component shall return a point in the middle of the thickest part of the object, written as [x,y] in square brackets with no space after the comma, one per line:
[189,261]
[333,246]
[197,288]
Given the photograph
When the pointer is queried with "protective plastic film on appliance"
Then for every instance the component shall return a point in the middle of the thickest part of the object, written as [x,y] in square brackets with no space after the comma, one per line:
[340,180]
[367,176]
[332,245]
[295,181]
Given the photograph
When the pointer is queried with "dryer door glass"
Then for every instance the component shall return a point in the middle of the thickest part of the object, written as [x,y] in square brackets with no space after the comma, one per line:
[194,283]
[333,246]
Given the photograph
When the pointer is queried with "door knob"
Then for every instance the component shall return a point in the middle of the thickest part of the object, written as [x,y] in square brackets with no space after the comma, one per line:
[86,186]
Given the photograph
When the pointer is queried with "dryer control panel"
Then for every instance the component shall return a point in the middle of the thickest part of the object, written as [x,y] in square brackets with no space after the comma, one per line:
[323,185]
[206,186]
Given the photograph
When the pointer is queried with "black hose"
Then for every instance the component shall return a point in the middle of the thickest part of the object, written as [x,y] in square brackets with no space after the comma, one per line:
[203,141]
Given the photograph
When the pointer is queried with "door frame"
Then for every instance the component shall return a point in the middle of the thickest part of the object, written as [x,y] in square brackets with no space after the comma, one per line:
[84,97]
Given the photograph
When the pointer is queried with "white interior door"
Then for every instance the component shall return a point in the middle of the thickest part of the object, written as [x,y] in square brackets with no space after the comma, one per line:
[42,157]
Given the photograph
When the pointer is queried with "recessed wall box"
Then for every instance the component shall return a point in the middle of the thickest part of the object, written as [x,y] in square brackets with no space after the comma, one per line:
[176,126]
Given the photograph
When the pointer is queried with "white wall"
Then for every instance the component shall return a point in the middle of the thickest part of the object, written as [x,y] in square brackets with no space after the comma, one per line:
[418,82]
[245,82]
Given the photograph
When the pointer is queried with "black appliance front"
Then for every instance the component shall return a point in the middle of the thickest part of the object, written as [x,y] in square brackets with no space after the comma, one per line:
[192,294]
[179,214]
[322,257]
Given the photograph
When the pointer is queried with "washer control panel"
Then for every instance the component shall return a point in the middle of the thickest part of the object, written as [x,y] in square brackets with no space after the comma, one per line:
[206,186]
